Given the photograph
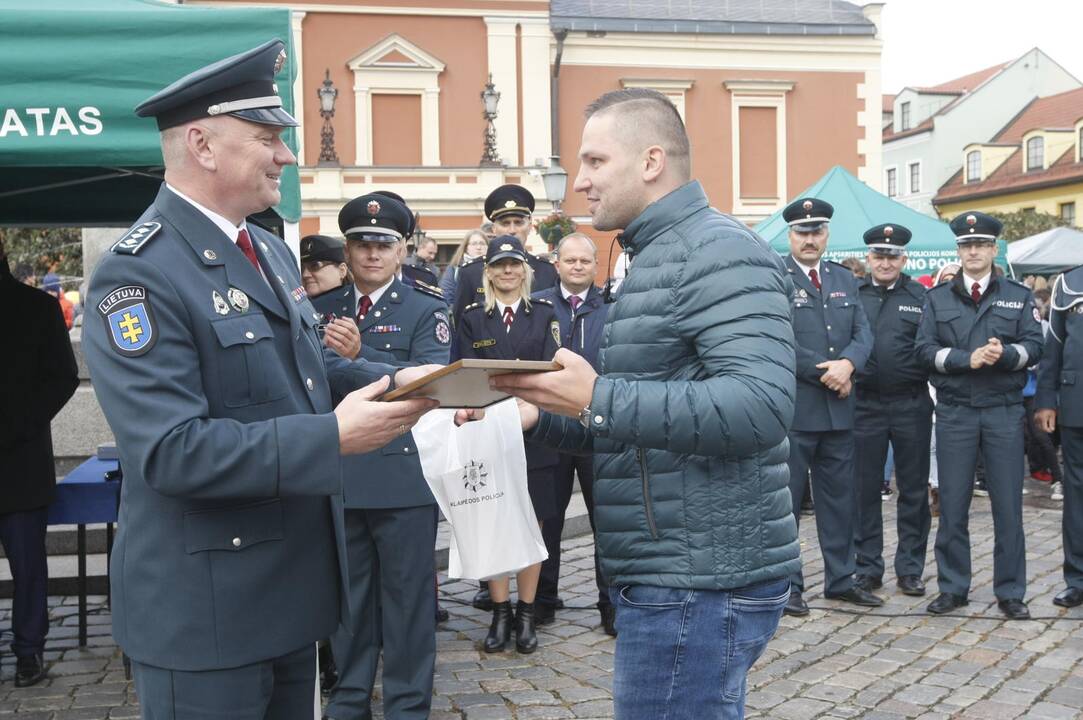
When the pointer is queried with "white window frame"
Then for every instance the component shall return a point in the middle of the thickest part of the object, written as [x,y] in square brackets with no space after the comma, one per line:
[889,172]
[758,93]
[968,178]
[419,76]
[910,177]
[1027,167]
[904,116]
[673,89]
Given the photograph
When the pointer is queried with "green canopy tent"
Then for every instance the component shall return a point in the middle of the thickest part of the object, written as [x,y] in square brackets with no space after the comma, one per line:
[858,208]
[72,151]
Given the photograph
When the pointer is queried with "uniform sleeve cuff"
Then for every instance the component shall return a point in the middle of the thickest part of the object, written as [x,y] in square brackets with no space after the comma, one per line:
[941,359]
[309,462]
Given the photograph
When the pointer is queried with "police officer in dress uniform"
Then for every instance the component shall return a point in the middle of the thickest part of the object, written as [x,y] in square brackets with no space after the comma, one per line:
[1060,402]
[832,342]
[509,207]
[409,274]
[390,532]
[893,405]
[203,351]
[978,335]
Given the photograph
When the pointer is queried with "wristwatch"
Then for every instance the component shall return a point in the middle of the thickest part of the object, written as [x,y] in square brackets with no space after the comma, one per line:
[584,417]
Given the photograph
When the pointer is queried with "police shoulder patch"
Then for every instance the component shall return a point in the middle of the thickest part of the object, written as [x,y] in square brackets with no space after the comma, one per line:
[554,329]
[442,330]
[129,320]
[134,240]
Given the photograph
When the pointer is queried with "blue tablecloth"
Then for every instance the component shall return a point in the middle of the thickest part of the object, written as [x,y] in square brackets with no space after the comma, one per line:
[85,497]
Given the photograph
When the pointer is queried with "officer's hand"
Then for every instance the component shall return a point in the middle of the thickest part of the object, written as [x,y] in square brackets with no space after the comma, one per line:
[528,415]
[1046,419]
[993,350]
[845,390]
[466,415]
[342,336]
[836,373]
[977,358]
[364,425]
[409,374]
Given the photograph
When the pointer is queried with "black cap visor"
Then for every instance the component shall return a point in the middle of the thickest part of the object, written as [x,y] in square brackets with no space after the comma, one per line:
[807,227]
[506,254]
[267,116]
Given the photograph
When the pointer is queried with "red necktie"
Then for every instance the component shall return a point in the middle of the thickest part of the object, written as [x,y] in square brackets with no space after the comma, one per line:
[575,300]
[814,277]
[509,317]
[363,307]
[245,244]
[975,292]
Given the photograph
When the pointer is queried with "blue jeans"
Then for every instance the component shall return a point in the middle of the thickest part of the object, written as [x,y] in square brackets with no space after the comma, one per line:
[685,653]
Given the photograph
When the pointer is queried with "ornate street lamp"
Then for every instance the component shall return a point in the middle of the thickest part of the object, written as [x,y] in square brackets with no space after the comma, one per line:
[327,94]
[555,180]
[490,98]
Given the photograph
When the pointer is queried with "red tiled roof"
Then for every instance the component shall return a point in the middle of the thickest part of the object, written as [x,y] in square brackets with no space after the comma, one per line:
[966,83]
[1010,177]
[1055,111]
[926,124]
[889,103]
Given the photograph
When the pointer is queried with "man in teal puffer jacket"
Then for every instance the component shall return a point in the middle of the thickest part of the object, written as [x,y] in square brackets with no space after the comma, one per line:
[687,421]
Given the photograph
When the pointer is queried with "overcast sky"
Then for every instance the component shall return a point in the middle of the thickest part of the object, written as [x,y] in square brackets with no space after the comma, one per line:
[927,42]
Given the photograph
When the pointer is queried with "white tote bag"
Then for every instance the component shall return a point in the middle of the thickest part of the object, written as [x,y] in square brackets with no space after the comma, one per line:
[477,473]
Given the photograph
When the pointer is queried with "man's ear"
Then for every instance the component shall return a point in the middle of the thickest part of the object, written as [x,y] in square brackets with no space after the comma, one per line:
[654,163]
[198,139]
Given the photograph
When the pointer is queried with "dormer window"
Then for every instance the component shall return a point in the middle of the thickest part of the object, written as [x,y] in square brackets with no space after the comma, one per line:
[1079,145]
[973,166]
[904,116]
[1035,153]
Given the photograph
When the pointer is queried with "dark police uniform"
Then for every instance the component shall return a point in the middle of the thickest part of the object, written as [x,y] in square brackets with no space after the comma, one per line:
[893,405]
[229,563]
[534,335]
[390,532]
[505,200]
[979,411]
[828,324]
[1060,388]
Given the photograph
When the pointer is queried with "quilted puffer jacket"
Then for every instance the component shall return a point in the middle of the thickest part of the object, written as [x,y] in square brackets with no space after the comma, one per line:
[691,407]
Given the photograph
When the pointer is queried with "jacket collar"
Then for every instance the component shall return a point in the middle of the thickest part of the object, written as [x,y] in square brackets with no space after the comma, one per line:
[661,215]
[212,247]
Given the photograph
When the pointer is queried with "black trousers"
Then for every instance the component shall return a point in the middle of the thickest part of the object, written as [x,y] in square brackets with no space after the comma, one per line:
[23,536]
[1041,452]
[905,421]
[564,478]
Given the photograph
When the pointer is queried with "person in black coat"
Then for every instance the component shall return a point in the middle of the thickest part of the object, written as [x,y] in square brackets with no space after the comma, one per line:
[40,379]
[508,325]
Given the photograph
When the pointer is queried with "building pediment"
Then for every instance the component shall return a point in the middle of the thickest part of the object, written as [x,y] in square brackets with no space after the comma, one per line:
[395,52]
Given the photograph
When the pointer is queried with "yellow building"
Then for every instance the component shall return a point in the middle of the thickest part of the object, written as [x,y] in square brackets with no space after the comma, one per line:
[1035,163]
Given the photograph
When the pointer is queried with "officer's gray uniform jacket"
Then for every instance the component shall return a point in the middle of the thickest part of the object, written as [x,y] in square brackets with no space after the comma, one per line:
[952,328]
[1060,375]
[230,550]
[828,324]
[406,327]
[893,366]
[690,412]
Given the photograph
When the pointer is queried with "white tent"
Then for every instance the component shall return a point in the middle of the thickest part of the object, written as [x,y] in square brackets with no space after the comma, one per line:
[1047,252]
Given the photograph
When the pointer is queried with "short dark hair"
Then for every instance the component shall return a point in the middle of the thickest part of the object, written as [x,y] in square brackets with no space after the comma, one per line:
[656,122]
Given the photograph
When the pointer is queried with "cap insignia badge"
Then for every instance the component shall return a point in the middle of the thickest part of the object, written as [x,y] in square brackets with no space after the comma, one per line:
[280,61]
[889,231]
[220,306]
[373,207]
[506,246]
[238,299]
[807,205]
[971,220]
[509,203]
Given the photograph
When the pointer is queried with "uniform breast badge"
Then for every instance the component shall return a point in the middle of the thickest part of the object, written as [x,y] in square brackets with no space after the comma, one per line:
[238,299]
[220,305]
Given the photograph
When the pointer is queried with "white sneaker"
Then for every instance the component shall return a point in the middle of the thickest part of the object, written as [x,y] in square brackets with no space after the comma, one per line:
[1058,492]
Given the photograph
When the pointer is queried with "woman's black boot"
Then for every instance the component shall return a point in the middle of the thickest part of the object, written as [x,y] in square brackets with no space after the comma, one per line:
[526,639]
[500,629]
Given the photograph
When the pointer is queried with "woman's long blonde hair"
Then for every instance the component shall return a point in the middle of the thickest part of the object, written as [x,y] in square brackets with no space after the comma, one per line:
[524,289]
[457,258]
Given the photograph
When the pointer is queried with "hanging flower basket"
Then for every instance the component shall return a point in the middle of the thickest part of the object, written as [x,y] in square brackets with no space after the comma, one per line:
[555,226]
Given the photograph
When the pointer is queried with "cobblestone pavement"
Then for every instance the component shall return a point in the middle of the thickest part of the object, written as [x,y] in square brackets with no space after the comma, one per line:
[893,663]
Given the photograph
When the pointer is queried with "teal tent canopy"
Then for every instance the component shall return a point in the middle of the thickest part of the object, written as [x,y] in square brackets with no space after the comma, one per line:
[1048,252]
[858,208]
[72,151]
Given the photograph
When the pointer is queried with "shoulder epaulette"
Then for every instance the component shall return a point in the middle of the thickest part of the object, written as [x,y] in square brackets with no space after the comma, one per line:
[471,261]
[1013,281]
[543,301]
[840,266]
[134,240]
[471,306]
[427,289]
